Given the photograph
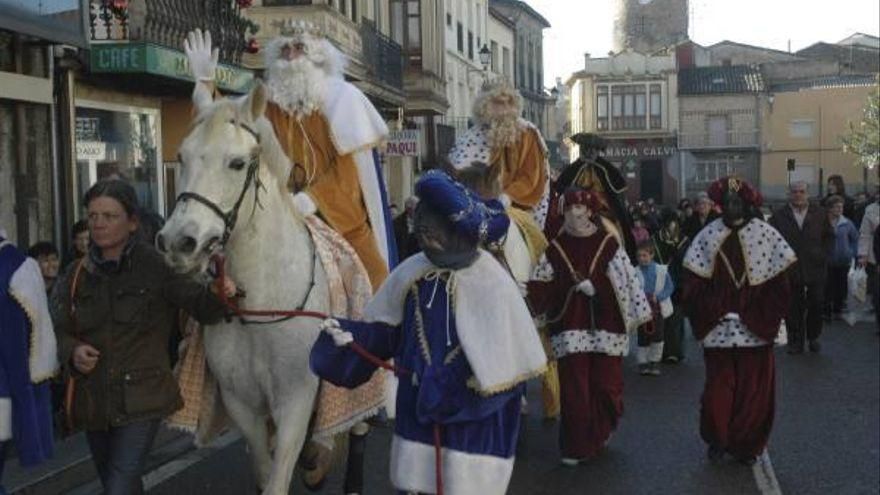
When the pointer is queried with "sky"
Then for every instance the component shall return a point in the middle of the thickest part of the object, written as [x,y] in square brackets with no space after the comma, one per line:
[580,26]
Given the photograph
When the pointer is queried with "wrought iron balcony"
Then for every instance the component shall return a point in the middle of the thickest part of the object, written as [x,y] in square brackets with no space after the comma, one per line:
[166,22]
[382,56]
[719,140]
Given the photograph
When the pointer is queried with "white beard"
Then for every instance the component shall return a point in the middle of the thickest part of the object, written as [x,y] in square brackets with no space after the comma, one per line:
[296,86]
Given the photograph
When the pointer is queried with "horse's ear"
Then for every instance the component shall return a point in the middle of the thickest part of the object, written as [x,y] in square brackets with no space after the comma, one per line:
[257,99]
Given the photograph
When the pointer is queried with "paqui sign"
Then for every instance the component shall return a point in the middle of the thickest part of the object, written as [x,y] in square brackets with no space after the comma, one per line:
[403,143]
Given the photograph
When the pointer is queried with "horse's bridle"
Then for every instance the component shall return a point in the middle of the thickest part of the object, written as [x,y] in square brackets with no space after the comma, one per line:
[230,218]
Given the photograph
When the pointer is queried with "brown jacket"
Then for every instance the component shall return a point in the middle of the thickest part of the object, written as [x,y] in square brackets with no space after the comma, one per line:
[127,313]
[812,242]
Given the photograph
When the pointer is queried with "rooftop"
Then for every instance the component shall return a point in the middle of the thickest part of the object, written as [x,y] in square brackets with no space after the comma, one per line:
[720,80]
[519,4]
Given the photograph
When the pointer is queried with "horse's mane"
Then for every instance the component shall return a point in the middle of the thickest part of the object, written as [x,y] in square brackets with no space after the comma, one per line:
[209,122]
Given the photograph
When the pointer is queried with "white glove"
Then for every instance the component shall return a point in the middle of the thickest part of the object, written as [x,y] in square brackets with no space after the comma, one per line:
[586,287]
[340,337]
[202,59]
[505,200]
[304,204]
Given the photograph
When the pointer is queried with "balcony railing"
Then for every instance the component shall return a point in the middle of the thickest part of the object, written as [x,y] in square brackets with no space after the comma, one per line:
[730,139]
[166,22]
[383,57]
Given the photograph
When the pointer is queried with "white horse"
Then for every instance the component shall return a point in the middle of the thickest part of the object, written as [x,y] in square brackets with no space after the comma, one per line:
[234,197]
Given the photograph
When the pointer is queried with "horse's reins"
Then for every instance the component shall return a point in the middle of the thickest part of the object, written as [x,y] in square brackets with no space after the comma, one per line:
[230,219]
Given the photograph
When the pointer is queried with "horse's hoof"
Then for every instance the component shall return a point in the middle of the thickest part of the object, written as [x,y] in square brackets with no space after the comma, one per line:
[319,460]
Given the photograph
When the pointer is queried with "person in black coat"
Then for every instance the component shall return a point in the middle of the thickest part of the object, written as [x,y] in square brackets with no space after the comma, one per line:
[703,215]
[807,230]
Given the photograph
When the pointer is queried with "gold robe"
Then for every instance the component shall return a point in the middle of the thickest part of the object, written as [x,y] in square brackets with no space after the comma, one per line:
[524,169]
[331,181]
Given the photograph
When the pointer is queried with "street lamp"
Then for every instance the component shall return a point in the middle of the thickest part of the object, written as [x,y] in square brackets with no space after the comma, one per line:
[485,56]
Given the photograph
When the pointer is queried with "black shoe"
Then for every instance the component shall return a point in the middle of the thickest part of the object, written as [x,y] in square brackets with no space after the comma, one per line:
[354,472]
[814,346]
[795,349]
[715,454]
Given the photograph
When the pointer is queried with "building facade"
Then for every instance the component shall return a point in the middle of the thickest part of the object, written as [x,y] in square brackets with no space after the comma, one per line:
[501,42]
[528,58]
[467,33]
[805,124]
[631,99]
[33,38]
[719,130]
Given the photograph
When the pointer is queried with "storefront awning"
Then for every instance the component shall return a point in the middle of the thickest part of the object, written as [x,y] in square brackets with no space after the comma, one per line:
[156,60]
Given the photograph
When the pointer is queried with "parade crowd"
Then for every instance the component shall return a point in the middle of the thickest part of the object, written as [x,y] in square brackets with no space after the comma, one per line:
[464,323]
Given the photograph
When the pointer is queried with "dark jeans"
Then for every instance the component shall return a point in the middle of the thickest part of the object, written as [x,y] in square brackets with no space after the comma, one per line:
[673,335]
[119,455]
[836,289]
[805,314]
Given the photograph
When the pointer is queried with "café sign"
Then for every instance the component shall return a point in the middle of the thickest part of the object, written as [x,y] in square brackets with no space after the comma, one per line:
[640,148]
[148,58]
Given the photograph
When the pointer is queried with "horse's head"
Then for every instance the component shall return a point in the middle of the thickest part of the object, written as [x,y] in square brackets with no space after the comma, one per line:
[481,178]
[220,163]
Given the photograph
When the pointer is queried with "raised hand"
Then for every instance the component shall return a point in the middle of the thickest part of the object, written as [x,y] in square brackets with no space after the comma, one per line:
[202,59]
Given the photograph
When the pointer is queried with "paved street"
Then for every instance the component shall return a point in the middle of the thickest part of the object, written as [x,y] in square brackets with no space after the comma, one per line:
[826,438]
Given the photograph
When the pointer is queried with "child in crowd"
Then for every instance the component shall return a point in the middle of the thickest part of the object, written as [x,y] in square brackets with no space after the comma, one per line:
[846,243]
[47,257]
[639,231]
[658,290]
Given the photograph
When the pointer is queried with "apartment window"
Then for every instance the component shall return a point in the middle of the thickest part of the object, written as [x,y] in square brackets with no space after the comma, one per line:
[494,59]
[505,62]
[802,129]
[459,35]
[656,120]
[448,19]
[342,6]
[406,29]
[354,10]
[602,108]
[470,45]
[708,171]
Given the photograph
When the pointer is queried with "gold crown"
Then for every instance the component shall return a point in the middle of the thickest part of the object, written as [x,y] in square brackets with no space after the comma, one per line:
[291,27]
[734,184]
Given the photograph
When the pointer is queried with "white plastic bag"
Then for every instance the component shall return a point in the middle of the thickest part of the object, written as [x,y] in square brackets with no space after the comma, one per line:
[858,308]
[857,283]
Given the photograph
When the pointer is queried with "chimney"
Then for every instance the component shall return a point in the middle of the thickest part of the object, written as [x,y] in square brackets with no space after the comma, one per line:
[586,58]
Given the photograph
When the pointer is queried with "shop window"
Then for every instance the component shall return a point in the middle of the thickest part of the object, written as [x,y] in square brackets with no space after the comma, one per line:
[119,142]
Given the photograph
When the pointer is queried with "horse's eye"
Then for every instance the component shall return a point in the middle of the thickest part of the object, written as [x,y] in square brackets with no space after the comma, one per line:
[236,164]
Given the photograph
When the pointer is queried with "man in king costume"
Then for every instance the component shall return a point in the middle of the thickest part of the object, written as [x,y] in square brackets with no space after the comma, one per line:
[593,301]
[735,278]
[28,359]
[329,130]
[463,339]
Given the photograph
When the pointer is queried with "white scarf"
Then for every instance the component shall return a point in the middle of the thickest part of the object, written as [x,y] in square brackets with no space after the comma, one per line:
[496,331]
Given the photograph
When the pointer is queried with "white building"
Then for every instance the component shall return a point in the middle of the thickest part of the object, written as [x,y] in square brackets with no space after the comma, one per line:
[467,32]
[501,43]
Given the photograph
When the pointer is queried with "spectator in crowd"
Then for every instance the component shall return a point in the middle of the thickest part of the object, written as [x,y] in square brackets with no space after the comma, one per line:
[806,229]
[859,204]
[47,257]
[685,210]
[79,242]
[867,231]
[639,231]
[658,288]
[27,359]
[115,346]
[846,241]
[836,187]
[648,212]
[669,251]
[703,214]
[404,232]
